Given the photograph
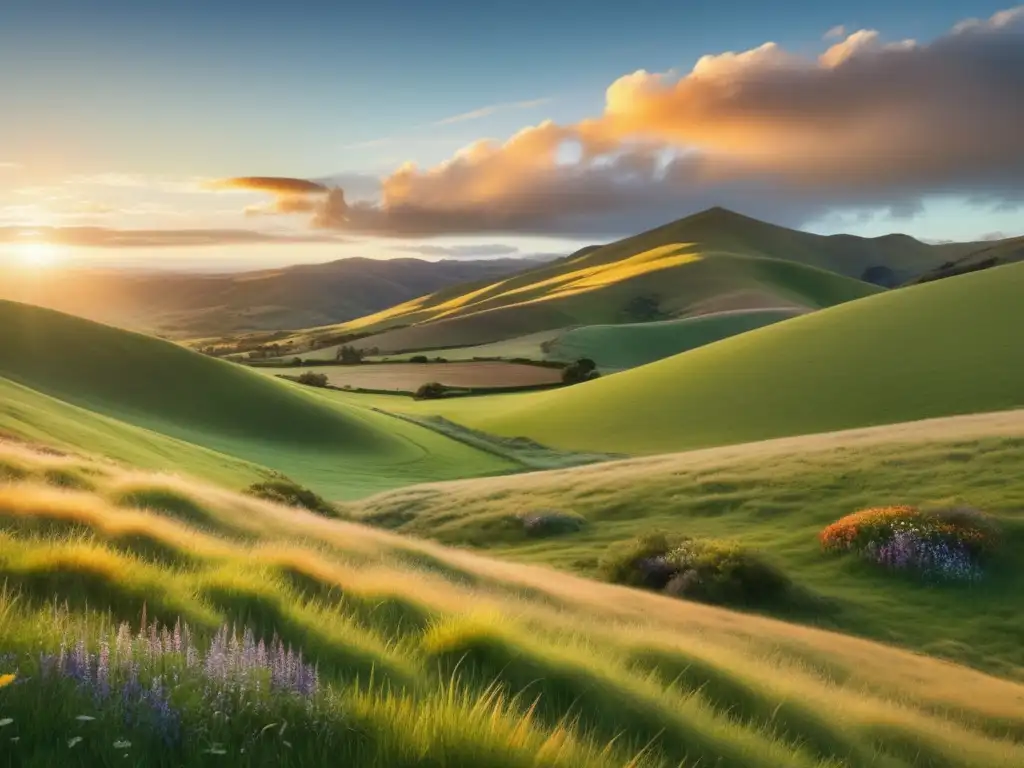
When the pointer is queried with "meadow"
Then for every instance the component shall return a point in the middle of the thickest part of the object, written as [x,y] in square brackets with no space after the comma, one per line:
[411,653]
[154,404]
[773,497]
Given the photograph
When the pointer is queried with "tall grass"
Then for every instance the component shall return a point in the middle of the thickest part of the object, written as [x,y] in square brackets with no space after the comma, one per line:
[423,655]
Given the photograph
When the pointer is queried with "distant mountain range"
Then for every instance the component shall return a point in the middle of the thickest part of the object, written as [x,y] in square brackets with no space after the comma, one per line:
[711,262]
[190,305]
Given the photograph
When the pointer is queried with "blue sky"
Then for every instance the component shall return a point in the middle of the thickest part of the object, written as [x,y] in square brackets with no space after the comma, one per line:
[121,108]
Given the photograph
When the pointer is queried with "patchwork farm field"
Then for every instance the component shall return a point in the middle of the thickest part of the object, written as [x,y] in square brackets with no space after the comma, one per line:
[408,377]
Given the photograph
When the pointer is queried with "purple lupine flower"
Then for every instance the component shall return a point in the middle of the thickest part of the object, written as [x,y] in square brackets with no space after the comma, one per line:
[103,671]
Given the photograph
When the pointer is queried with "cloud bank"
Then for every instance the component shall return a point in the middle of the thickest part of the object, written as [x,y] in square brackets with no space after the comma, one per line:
[867,124]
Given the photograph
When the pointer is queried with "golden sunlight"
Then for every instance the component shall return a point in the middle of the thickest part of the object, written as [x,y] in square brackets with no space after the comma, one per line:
[36,254]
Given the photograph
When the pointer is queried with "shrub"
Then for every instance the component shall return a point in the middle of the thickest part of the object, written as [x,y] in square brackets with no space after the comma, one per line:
[706,570]
[440,360]
[950,544]
[724,572]
[551,523]
[582,370]
[418,359]
[347,355]
[431,391]
[311,379]
[291,494]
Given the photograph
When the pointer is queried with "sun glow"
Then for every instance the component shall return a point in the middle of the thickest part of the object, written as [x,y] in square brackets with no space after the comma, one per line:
[35,255]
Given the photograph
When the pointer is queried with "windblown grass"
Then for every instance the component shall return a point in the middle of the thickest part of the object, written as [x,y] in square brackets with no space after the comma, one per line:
[430,656]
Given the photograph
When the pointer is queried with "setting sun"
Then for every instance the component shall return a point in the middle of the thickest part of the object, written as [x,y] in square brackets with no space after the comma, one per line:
[36,254]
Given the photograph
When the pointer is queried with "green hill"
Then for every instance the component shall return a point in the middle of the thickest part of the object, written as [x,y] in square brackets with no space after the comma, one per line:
[1003,252]
[662,283]
[943,348]
[424,656]
[712,261]
[615,347]
[168,390]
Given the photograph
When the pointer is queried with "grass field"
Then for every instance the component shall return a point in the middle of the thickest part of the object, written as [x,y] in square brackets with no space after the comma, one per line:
[612,347]
[410,377]
[617,347]
[776,496]
[159,390]
[942,348]
[426,656]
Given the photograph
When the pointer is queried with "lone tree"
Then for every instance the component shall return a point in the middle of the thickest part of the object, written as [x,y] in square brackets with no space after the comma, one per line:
[582,370]
[431,391]
[311,379]
[347,355]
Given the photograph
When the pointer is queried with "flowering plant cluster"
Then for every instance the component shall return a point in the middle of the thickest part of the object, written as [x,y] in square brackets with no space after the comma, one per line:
[149,679]
[948,544]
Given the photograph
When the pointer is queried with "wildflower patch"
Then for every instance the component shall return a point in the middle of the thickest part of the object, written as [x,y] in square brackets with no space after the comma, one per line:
[946,544]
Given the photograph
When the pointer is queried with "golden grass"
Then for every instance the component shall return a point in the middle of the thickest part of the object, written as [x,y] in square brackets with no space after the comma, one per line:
[367,599]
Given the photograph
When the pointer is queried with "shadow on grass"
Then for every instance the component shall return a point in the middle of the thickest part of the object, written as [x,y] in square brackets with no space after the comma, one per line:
[564,690]
[179,506]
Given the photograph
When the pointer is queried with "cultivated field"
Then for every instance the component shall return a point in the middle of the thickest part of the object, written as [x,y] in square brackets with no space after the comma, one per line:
[424,656]
[409,377]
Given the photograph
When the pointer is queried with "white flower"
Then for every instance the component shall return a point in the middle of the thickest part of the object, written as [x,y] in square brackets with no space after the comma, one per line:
[122,744]
[84,718]
[74,742]
[6,721]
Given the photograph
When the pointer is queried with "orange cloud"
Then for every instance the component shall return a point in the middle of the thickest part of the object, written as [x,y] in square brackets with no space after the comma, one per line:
[277,185]
[866,123]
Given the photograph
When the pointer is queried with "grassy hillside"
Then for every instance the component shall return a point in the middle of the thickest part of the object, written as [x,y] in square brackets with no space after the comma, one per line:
[665,282]
[1002,252]
[615,347]
[339,450]
[776,496]
[425,656]
[612,347]
[942,348]
[710,261]
[204,304]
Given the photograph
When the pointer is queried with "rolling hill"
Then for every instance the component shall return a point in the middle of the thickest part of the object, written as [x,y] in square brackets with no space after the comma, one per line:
[943,348]
[628,345]
[712,261]
[194,305]
[170,391]
[1003,252]
[424,655]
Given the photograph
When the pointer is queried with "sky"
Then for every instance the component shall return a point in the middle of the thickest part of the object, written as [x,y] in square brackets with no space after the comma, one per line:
[204,134]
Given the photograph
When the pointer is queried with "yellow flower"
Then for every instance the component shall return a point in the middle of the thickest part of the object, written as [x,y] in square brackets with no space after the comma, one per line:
[6,680]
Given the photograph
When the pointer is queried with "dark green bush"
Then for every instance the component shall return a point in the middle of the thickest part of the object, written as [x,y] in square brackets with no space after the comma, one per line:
[291,494]
[311,379]
[431,391]
[724,572]
[710,571]
[582,370]
[347,355]
[551,523]
[418,359]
